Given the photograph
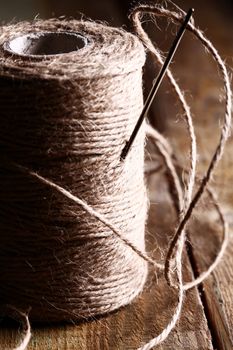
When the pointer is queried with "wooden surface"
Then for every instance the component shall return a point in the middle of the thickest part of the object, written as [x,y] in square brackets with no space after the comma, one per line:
[205,87]
[207,316]
[135,324]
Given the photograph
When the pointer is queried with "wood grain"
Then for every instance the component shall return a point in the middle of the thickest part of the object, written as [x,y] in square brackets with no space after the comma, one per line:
[205,88]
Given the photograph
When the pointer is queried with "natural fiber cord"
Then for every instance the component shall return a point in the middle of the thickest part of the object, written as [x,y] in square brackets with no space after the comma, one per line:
[72,214]
[66,117]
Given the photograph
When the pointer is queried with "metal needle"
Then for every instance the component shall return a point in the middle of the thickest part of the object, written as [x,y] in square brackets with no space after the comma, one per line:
[157,83]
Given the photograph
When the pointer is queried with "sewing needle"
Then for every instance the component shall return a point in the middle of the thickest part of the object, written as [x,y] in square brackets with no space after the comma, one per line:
[157,83]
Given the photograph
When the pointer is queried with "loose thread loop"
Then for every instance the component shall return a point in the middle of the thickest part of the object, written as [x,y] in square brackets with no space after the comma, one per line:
[135,17]
[178,241]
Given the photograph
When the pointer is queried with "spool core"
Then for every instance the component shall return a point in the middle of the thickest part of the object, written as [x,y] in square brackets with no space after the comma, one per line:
[46,43]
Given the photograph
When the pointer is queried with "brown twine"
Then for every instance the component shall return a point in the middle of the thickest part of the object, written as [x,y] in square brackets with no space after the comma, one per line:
[177,243]
[66,118]
[73,215]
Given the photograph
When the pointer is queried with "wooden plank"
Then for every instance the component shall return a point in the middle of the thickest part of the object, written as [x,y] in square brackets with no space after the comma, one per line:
[133,325]
[217,290]
[205,87]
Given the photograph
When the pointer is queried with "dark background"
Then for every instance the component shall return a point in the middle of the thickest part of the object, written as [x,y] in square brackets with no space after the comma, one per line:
[114,11]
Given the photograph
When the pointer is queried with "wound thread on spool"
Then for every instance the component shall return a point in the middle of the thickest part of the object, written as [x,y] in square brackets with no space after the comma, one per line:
[66,117]
[51,194]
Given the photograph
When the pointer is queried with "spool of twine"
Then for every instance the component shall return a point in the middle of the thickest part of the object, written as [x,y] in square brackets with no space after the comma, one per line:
[72,215]
[68,103]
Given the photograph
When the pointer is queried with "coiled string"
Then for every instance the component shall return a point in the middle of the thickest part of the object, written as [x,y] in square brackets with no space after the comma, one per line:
[174,255]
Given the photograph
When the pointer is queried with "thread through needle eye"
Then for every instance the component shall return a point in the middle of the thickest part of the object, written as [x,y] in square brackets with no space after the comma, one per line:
[157,83]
